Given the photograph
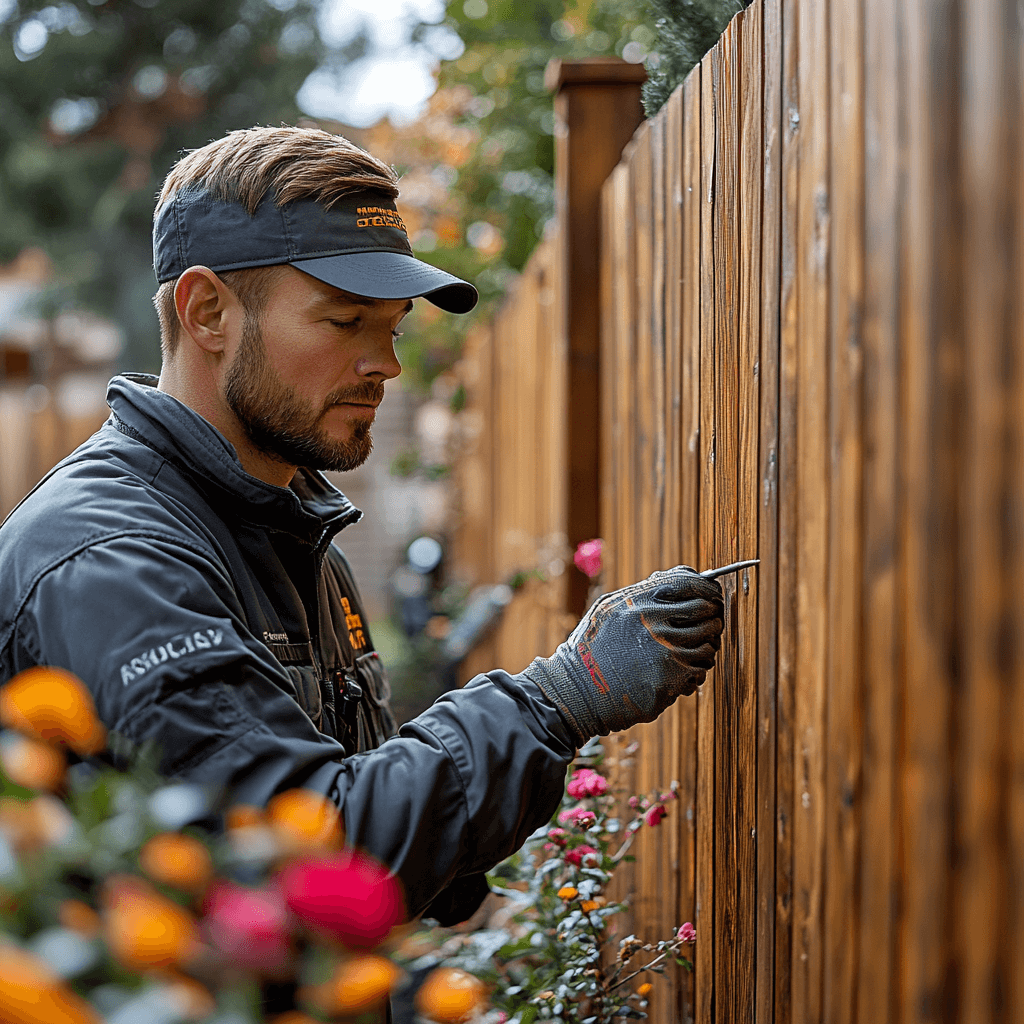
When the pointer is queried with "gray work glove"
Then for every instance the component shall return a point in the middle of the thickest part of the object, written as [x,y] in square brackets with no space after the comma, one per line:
[634,653]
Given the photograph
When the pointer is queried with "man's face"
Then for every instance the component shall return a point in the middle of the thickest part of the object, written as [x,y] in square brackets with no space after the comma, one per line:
[308,375]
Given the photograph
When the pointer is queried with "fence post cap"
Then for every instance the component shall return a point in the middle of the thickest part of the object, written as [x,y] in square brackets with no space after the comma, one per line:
[592,71]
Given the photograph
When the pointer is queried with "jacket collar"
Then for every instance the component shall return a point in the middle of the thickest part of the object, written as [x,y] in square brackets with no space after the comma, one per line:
[310,507]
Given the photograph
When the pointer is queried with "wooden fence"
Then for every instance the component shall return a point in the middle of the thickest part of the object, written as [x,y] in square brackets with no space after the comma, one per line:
[812,352]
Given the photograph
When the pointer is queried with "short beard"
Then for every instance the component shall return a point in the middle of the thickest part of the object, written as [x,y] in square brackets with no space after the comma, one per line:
[284,426]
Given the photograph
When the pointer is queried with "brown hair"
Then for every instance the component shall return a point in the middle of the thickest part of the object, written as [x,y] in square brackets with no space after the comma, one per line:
[296,163]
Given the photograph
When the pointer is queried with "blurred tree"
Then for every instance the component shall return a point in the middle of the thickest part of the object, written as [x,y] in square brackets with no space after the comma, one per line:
[477,187]
[97,99]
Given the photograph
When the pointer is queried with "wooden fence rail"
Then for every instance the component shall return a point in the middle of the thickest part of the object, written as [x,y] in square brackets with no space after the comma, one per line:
[812,352]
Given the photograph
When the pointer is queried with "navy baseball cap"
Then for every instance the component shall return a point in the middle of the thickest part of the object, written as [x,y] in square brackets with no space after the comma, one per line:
[359,245]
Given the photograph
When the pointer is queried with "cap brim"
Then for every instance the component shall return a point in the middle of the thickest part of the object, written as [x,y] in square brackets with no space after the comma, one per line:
[391,275]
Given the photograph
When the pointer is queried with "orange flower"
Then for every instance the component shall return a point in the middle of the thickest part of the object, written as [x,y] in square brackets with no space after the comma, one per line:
[34,824]
[79,917]
[644,990]
[145,929]
[31,763]
[177,860]
[588,905]
[359,984]
[303,820]
[53,705]
[449,995]
[30,994]
[568,892]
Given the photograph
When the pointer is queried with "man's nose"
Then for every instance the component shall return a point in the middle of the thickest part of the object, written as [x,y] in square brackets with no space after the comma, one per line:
[380,360]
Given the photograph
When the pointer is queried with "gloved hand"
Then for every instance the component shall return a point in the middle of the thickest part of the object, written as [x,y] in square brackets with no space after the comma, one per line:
[634,653]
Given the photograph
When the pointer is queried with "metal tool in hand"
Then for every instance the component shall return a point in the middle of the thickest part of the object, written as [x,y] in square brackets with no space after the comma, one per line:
[710,574]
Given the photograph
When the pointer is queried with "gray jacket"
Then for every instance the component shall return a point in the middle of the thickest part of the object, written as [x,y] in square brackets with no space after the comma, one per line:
[210,611]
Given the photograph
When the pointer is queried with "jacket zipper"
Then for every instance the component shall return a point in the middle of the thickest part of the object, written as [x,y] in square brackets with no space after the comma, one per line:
[342,684]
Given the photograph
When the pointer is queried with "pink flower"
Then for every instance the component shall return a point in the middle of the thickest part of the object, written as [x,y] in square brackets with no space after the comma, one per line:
[634,802]
[588,557]
[670,795]
[349,895]
[687,933]
[576,856]
[557,835]
[654,815]
[578,816]
[249,925]
[586,782]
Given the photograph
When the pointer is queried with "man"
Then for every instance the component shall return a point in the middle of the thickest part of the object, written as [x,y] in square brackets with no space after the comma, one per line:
[181,561]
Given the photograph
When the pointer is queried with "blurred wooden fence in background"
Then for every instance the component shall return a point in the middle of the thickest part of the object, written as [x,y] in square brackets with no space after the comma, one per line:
[811,287]
[35,434]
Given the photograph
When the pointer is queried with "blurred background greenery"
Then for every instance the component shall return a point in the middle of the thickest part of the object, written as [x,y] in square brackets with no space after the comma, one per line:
[99,97]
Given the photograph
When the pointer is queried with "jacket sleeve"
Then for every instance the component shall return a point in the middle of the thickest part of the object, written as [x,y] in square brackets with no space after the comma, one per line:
[154,630]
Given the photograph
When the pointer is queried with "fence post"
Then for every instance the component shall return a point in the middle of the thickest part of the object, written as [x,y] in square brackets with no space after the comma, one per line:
[597,110]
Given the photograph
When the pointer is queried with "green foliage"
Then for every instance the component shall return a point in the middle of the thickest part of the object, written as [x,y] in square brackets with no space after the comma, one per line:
[686,30]
[507,179]
[97,100]
[500,179]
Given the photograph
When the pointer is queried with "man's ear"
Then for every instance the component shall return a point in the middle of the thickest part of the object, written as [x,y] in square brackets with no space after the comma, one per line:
[205,305]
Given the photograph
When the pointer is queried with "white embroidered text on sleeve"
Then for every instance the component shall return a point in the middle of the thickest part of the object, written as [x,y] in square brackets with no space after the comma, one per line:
[177,647]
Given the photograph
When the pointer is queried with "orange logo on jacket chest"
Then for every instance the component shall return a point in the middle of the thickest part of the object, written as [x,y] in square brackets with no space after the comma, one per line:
[356,637]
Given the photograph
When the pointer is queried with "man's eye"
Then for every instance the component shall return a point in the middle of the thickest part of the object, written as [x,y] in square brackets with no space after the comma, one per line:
[344,323]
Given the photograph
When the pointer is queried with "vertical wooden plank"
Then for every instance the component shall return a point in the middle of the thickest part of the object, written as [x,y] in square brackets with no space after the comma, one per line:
[677,724]
[666,854]
[644,423]
[1015,811]
[672,524]
[626,363]
[1015,798]
[726,214]
[610,472]
[704,919]
[876,992]
[843,672]
[642,523]
[932,404]
[747,584]
[768,512]
[990,34]
[785,715]
[812,510]
[690,472]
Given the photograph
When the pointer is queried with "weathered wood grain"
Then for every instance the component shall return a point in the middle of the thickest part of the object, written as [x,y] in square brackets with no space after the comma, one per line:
[1015,758]
[751,164]
[930,584]
[690,472]
[641,514]
[786,748]
[982,869]
[704,917]
[812,482]
[879,892]
[844,638]
[767,497]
